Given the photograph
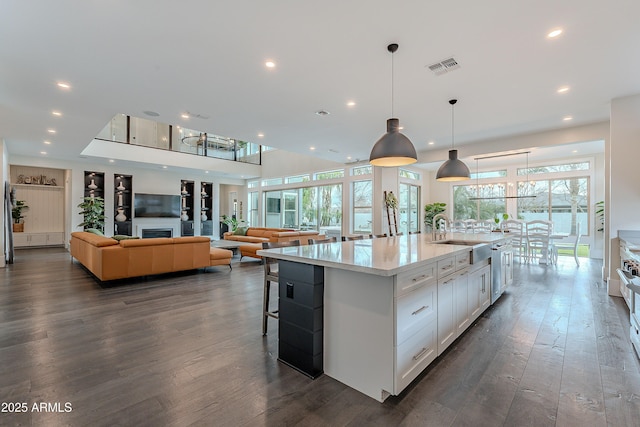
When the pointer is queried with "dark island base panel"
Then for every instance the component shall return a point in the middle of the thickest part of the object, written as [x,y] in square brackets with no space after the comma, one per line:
[300,306]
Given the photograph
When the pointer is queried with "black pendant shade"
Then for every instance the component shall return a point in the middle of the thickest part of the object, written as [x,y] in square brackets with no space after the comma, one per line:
[453,169]
[393,149]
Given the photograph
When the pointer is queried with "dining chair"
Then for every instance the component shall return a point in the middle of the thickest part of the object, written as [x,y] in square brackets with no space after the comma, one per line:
[271,275]
[327,240]
[349,238]
[483,226]
[415,232]
[377,236]
[538,240]
[516,234]
[567,245]
[458,226]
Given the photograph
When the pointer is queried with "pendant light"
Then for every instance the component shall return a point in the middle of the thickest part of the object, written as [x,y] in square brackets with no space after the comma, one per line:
[453,169]
[393,149]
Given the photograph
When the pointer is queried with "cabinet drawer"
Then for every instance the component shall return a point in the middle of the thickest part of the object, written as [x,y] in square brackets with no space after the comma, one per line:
[462,260]
[415,355]
[415,310]
[414,278]
[446,266]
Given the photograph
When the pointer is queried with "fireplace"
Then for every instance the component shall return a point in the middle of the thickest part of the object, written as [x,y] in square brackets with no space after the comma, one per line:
[148,233]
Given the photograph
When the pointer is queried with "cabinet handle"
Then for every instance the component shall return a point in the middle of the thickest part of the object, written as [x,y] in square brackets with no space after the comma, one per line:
[446,267]
[415,279]
[424,307]
[423,351]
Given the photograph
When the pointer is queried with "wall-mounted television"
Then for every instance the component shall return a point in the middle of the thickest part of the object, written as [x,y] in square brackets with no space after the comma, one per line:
[156,205]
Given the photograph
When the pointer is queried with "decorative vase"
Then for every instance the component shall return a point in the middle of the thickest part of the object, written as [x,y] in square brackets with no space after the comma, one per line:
[184,216]
[203,216]
[184,191]
[120,187]
[119,199]
[203,193]
[121,217]
[93,185]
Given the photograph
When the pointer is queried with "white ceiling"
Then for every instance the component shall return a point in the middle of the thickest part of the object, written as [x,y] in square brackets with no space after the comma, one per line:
[207,57]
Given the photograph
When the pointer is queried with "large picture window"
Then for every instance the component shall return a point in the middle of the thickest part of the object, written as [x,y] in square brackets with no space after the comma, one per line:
[479,202]
[362,206]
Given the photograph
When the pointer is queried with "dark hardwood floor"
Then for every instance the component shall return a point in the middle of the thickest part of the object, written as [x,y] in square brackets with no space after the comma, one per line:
[186,349]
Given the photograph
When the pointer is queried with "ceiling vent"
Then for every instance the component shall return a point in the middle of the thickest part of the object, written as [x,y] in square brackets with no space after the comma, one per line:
[444,66]
[197,116]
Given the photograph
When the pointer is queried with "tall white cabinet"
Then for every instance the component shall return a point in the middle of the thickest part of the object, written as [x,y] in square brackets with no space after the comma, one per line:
[43,191]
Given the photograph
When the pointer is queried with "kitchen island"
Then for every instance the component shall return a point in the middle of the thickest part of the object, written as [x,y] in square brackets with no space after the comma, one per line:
[375,313]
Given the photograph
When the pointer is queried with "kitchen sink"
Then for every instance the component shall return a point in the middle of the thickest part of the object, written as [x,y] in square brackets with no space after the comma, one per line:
[479,252]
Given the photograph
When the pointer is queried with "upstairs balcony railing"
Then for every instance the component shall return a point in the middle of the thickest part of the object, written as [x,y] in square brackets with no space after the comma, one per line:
[143,132]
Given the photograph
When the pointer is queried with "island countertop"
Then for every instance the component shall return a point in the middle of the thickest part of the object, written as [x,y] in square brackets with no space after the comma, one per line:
[383,256]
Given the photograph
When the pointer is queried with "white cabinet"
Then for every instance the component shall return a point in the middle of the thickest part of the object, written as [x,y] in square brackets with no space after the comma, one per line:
[21,240]
[461,298]
[446,313]
[479,291]
[416,333]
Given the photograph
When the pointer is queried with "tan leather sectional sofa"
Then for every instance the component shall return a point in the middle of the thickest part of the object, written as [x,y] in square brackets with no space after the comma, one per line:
[257,235]
[109,259]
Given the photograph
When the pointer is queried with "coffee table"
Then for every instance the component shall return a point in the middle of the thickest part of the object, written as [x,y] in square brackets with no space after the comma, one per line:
[232,245]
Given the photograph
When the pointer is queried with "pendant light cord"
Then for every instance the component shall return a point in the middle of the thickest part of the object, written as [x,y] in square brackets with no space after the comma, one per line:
[452,120]
[392,80]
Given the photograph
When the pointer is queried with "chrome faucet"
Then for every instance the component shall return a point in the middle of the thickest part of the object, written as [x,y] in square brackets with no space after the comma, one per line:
[440,234]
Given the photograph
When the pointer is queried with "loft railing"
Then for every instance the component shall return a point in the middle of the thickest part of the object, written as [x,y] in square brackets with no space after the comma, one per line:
[134,130]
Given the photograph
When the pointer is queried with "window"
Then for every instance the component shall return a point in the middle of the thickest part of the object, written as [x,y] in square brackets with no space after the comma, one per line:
[404,173]
[298,178]
[271,181]
[362,170]
[329,174]
[568,167]
[290,209]
[489,174]
[408,212]
[252,184]
[485,201]
[362,206]
[563,201]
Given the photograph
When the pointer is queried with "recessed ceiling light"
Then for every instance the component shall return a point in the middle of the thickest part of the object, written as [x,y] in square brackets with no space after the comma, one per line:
[563,89]
[184,116]
[43,152]
[111,160]
[312,148]
[51,130]
[348,157]
[554,33]
[261,135]
[430,142]
[351,103]
[206,171]
[574,151]
[164,167]
[47,142]
[270,64]
[64,85]
[56,113]
[567,118]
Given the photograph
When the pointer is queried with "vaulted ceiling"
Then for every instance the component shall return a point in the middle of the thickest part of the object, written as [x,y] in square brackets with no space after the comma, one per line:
[207,58]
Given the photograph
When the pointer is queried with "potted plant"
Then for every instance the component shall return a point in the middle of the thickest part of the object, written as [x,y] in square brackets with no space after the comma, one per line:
[497,219]
[432,210]
[16,214]
[93,212]
[231,222]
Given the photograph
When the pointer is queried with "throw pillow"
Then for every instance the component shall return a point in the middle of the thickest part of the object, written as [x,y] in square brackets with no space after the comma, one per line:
[119,237]
[94,231]
[240,231]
